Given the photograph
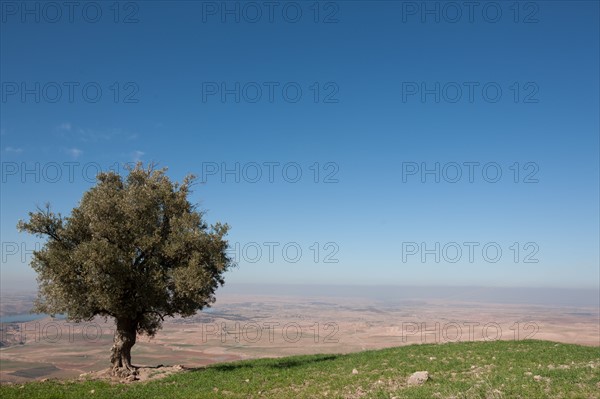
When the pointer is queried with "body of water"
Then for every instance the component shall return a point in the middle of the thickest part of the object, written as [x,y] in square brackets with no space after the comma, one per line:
[25,317]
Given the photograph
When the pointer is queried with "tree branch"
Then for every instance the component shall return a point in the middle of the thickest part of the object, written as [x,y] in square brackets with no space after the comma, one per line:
[162,317]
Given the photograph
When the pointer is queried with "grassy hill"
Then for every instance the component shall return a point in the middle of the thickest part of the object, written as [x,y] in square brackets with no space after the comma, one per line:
[499,369]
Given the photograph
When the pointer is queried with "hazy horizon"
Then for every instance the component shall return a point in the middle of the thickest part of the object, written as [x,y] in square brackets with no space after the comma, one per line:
[544,296]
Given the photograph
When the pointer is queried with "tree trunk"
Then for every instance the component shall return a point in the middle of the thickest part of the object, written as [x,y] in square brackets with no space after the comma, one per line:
[121,350]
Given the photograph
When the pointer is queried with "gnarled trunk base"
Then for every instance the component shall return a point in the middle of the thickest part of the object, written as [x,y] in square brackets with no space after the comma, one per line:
[120,356]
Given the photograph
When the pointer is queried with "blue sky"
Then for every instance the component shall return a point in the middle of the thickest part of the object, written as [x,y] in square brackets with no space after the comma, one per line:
[180,84]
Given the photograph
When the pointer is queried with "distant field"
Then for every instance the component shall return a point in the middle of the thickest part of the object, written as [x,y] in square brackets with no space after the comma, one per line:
[499,369]
[248,327]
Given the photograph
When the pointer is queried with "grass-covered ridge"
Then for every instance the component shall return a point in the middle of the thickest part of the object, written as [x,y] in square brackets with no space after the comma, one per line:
[499,369]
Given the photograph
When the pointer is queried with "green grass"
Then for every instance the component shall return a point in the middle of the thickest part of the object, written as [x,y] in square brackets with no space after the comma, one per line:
[499,369]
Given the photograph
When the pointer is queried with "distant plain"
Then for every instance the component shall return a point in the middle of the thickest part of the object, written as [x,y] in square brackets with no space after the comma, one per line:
[244,324]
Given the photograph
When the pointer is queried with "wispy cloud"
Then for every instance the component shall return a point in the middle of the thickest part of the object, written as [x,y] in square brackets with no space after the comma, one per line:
[137,155]
[74,152]
[13,150]
[65,126]
[92,135]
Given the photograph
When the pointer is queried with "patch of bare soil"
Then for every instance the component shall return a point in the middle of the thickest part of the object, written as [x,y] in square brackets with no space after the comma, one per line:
[143,374]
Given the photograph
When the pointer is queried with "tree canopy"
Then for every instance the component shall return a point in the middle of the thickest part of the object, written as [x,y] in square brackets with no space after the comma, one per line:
[134,249]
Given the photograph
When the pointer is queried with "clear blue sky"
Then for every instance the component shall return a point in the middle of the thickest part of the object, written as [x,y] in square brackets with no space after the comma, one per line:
[373,128]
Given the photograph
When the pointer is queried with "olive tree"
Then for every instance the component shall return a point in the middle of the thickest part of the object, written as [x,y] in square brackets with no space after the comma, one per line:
[134,249]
